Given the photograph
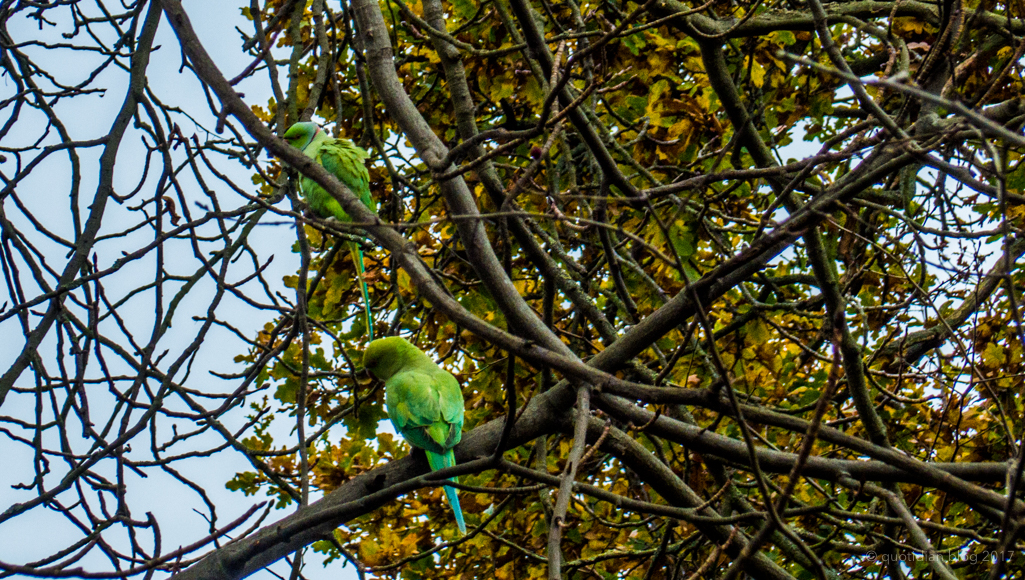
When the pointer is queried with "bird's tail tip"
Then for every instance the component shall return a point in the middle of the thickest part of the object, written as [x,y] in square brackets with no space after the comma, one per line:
[440,461]
[453,500]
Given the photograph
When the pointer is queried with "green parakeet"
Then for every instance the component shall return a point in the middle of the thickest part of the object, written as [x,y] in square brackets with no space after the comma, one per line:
[345,161]
[424,403]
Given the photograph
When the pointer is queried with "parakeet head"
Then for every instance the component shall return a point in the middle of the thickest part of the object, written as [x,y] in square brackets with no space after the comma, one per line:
[301,134]
[386,356]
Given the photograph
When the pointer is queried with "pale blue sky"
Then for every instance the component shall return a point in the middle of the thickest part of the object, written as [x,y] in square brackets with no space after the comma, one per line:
[41,532]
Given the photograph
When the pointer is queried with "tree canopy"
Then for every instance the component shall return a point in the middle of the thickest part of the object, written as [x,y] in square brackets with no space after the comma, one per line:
[731,288]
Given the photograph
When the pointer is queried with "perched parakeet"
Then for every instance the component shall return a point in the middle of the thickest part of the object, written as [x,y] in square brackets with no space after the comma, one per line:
[345,161]
[424,403]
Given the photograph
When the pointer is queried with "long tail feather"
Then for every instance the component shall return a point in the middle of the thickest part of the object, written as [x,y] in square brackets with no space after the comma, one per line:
[440,462]
[357,258]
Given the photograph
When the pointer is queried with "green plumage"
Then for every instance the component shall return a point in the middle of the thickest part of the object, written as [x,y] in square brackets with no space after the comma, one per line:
[346,162]
[424,402]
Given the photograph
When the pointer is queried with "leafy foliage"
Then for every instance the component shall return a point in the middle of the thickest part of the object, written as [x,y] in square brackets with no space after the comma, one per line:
[907,274]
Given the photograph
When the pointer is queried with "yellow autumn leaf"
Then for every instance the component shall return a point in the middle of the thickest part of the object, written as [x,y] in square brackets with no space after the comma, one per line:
[757,74]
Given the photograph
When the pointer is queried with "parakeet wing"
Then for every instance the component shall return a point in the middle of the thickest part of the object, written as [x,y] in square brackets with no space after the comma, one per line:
[345,161]
[427,408]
